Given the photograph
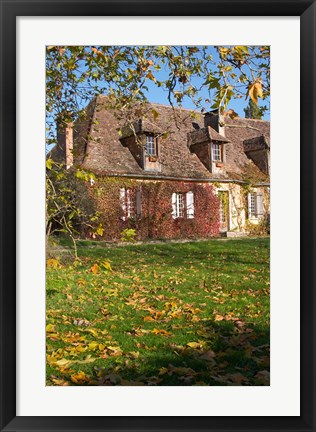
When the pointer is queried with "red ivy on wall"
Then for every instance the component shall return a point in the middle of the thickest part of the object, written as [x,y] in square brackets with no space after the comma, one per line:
[155,220]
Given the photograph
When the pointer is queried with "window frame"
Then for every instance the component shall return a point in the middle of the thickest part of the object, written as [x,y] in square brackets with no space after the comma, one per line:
[219,150]
[180,207]
[255,205]
[153,145]
[127,205]
[252,211]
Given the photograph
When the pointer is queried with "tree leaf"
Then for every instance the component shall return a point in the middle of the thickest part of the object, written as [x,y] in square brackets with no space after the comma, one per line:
[49,164]
[151,76]
[155,114]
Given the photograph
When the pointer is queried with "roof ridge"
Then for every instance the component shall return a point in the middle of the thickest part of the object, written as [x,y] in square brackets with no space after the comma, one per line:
[158,104]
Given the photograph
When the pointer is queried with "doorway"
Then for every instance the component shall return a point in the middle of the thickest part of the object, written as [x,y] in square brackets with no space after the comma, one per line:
[223,211]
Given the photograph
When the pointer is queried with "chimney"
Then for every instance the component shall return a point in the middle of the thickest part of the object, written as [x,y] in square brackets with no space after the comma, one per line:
[65,142]
[215,120]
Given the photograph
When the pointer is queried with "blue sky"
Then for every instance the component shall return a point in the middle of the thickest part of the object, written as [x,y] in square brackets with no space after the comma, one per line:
[159,95]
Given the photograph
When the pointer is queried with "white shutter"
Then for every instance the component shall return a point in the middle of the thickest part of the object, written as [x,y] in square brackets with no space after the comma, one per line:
[123,202]
[174,205]
[139,202]
[249,205]
[190,205]
[259,205]
[128,199]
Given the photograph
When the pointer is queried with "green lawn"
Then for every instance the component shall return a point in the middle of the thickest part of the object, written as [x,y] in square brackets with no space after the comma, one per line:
[160,314]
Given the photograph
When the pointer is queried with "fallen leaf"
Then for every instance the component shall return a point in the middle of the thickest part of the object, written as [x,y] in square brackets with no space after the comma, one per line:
[80,378]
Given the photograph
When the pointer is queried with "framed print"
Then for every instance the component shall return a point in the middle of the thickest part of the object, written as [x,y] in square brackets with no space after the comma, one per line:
[135,277]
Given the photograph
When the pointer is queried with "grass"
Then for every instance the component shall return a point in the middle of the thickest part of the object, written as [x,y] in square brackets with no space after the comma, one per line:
[193,313]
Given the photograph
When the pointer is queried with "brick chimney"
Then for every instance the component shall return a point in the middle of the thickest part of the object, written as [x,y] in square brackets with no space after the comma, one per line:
[65,142]
[215,120]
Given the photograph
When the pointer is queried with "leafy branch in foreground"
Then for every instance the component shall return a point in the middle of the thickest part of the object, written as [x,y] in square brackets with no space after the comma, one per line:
[67,207]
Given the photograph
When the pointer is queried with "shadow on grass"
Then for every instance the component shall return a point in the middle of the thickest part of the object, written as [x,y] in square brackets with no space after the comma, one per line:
[238,356]
[244,252]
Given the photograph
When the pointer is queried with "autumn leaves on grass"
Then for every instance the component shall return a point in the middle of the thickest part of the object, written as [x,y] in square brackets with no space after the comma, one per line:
[168,314]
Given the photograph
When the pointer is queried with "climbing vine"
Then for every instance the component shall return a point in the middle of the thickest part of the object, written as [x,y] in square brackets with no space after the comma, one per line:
[155,220]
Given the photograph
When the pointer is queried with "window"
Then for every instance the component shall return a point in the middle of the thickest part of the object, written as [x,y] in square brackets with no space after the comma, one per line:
[252,204]
[150,145]
[131,203]
[222,211]
[190,205]
[217,152]
[179,205]
[127,205]
[255,205]
[183,205]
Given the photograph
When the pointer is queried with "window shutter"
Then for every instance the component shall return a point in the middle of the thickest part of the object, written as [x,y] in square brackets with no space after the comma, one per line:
[190,205]
[128,200]
[139,202]
[249,205]
[174,205]
[259,205]
[123,202]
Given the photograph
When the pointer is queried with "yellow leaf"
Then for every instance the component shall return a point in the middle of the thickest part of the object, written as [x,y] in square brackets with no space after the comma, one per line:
[100,230]
[223,51]
[151,76]
[258,87]
[194,344]
[106,265]
[114,348]
[95,269]
[80,378]
[50,328]
[155,114]
[255,91]
[93,331]
[60,382]
[161,332]
[52,263]
[232,114]
[63,362]
[148,318]
[93,346]
[49,164]
[242,48]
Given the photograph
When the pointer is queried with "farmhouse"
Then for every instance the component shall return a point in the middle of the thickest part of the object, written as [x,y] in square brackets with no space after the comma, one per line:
[168,172]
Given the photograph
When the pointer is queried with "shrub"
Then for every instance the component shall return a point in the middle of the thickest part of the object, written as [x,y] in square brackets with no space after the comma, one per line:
[260,229]
[128,235]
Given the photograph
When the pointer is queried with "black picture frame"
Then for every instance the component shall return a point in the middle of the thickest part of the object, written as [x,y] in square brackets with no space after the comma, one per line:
[9,11]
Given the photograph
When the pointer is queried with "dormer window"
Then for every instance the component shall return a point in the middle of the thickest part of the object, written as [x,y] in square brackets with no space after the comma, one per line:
[217,152]
[151,145]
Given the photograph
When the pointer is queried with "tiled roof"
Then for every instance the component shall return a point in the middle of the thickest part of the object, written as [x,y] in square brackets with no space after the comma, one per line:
[104,152]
